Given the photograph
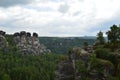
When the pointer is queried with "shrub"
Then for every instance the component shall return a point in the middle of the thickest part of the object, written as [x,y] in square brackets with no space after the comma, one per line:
[102,53]
[106,55]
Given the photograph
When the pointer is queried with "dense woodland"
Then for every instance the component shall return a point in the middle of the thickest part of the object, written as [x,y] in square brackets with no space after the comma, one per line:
[14,66]
[63,44]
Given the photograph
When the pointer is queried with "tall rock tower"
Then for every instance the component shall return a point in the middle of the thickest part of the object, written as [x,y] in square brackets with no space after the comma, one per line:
[28,44]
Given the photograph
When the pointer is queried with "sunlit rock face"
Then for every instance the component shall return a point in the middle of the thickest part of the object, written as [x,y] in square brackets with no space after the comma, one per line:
[3,41]
[28,44]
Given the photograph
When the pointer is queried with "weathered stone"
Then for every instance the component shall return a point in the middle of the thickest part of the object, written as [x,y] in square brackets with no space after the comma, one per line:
[65,71]
[102,69]
[28,44]
[35,35]
[22,33]
[16,39]
[89,48]
[28,34]
[16,34]
[82,66]
[2,33]
[3,41]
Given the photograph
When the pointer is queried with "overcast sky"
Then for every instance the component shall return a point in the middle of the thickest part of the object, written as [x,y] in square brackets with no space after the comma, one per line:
[59,17]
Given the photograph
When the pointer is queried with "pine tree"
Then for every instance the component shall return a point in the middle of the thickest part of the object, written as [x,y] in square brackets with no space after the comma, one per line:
[100,38]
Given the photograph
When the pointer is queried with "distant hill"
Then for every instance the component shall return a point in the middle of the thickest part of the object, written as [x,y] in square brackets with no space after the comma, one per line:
[63,44]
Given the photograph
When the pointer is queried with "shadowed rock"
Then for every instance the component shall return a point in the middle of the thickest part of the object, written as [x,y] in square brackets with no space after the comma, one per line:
[2,33]
[35,35]
[16,34]
[22,33]
[28,34]
[16,38]
[3,41]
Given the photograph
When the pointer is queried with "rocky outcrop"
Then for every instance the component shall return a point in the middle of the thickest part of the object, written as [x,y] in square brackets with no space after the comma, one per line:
[3,41]
[68,68]
[82,65]
[28,44]
[65,71]
[89,48]
[24,42]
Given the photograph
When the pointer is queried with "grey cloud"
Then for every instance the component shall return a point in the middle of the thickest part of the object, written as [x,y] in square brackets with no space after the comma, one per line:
[63,8]
[8,3]
[44,9]
[52,28]
[55,27]
[76,13]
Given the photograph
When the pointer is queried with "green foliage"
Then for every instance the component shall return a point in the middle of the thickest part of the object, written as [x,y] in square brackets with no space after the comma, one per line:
[113,78]
[82,69]
[100,38]
[102,53]
[106,63]
[105,54]
[85,44]
[9,38]
[5,77]
[118,68]
[80,66]
[99,65]
[14,66]
[96,64]
[114,36]
[62,45]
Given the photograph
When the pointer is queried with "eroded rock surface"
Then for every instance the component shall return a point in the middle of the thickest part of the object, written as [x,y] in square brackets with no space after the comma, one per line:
[3,41]
[82,65]
[28,44]
[65,71]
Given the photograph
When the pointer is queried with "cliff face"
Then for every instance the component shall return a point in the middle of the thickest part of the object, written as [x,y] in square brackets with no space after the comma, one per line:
[25,43]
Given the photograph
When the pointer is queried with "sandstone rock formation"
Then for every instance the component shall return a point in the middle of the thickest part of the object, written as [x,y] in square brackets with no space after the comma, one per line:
[25,43]
[65,71]
[28,44]
[89,48]
[82,65]
[3,41]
